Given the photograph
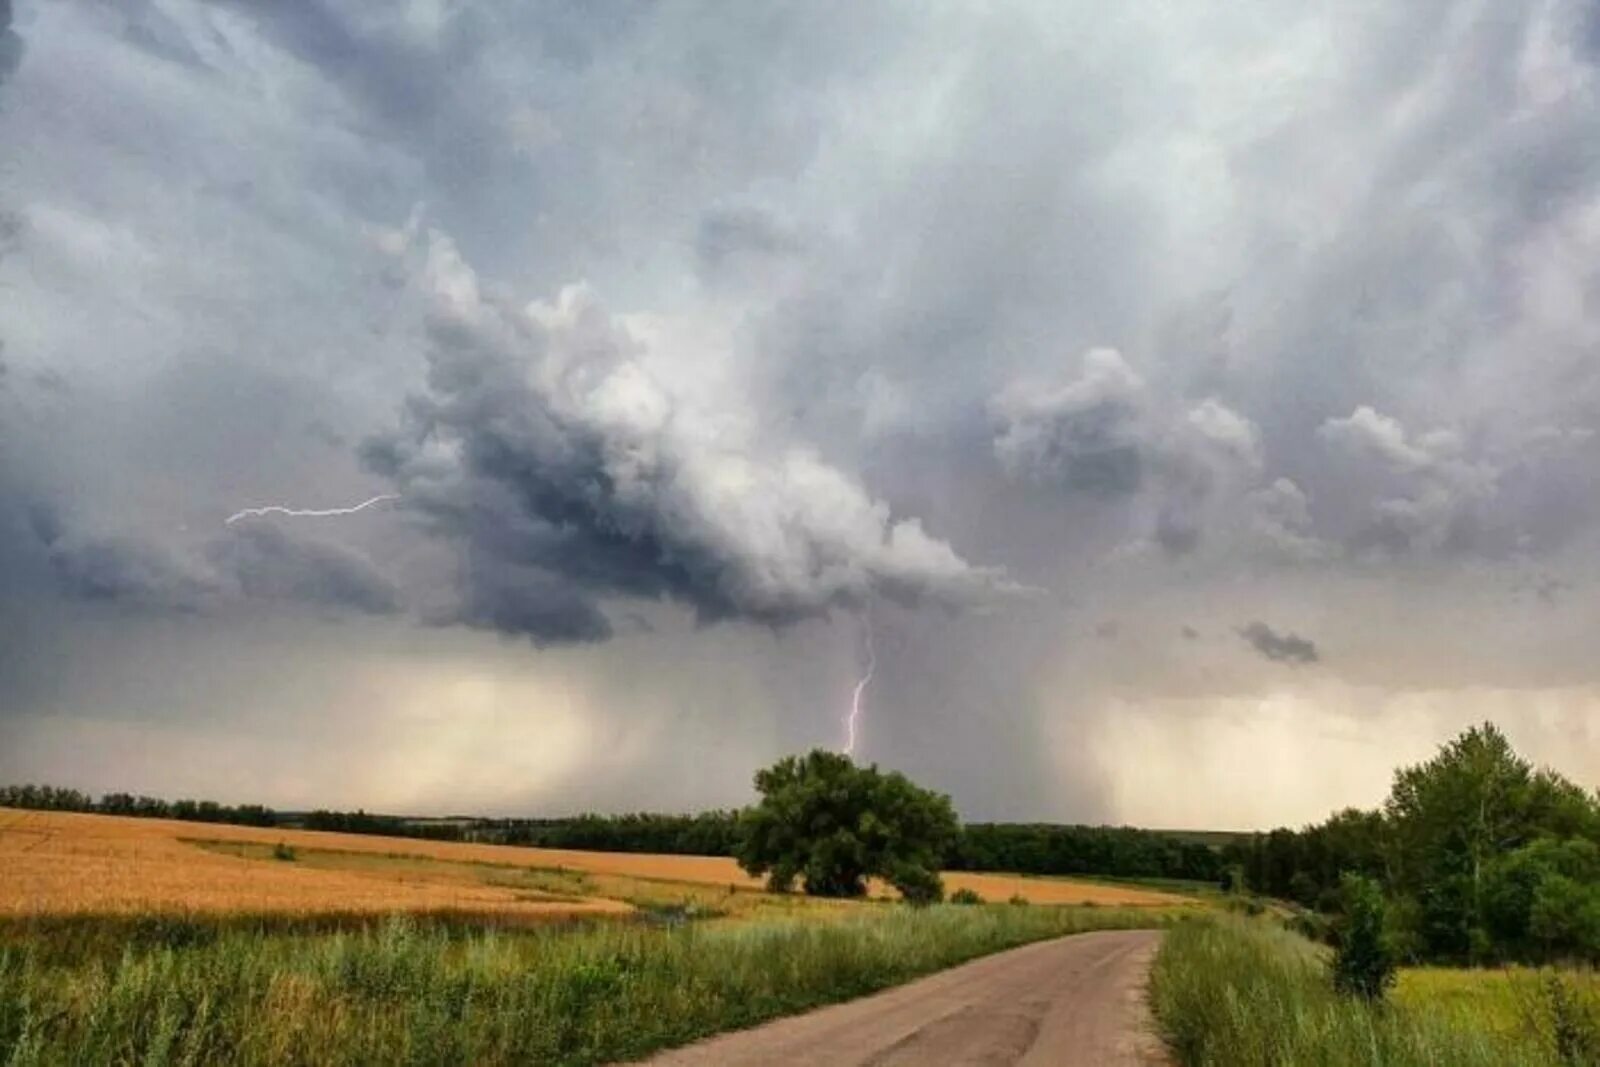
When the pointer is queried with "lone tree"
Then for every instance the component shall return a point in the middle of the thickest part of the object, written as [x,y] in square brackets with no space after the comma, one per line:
[833,824]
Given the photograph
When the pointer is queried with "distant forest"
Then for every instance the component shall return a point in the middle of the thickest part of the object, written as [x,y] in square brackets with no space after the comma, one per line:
[1118,852]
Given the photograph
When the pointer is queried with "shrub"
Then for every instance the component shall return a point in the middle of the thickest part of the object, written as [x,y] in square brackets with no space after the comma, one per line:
[284,852]
[965,896]
[1574,1032]
[1363,962]
[917,884]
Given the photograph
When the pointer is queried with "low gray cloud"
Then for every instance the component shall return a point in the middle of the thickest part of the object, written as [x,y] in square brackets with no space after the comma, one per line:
[1112,436]
[255,563]
[126,571]
[268,564]
[1283,647]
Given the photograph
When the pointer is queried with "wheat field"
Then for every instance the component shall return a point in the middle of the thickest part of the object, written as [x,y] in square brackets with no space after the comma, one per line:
[64,863]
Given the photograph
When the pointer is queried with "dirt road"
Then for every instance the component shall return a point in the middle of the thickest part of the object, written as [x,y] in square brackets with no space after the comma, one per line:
[1073,1002]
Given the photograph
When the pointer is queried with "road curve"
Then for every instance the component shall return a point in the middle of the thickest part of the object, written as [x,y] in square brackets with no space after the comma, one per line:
[1073,1002]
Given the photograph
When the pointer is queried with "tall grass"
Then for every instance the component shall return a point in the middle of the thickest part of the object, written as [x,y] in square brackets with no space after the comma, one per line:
[1229,991]
[405,993]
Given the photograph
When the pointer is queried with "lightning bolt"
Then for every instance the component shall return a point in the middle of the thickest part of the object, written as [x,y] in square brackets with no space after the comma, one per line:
[306,513]
[861,687]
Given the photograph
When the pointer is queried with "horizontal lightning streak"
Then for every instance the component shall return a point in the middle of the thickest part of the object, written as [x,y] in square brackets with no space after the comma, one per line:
[306,513]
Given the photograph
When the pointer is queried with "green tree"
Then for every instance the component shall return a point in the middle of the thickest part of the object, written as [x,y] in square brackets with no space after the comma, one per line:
[1450,818]
[1363,963]
[833,825]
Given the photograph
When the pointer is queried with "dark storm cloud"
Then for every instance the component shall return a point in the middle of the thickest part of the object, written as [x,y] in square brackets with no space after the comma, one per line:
[566,472]
[1279,647]
[513,599]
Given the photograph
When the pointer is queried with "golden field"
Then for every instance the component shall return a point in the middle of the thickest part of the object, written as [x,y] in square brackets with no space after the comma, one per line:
[61,863]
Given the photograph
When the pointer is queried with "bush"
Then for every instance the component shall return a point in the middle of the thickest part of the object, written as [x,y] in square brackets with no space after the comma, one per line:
[284,852]
[917,885]
[965,896]
[1245,905]
[1363,961]
[1018,900]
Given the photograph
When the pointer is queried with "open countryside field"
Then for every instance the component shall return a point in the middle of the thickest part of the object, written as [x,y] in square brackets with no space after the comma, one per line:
[55,863]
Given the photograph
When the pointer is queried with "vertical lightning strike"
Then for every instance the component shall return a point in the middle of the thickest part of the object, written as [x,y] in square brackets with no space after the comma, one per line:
[306,513]
[861,687]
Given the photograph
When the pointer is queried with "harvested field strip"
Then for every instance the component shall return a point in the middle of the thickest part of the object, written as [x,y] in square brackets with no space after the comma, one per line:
[63,862]
[1001,887]
[651,895]
[57,863]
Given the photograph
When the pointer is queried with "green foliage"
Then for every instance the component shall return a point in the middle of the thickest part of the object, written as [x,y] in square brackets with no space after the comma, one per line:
[1483,857]
[966,896]
[833,824]
[403,992]
[1363,962]
[284,852]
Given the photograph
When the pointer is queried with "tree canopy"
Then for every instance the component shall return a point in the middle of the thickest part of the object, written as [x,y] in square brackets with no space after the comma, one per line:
[1482,856]
[825,821]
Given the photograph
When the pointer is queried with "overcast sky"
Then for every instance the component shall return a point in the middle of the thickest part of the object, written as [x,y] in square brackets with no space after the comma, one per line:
[1197,402]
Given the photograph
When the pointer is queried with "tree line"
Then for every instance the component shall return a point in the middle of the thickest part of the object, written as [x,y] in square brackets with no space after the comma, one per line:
[55,798]
[1480,857]
[1037,848]
[1114,851]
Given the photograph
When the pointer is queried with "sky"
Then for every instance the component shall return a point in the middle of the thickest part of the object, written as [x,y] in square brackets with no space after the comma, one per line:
[1194,404]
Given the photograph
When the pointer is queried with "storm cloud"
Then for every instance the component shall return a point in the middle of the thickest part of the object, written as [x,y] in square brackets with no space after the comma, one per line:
[690,345]
[546,444]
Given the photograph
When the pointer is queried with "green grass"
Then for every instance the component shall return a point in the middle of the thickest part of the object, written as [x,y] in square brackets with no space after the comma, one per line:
[1228,990]
[1511,1001]
[400,992]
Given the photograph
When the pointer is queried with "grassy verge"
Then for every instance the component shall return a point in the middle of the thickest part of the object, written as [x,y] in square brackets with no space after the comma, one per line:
[400,992]
[1238,992]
